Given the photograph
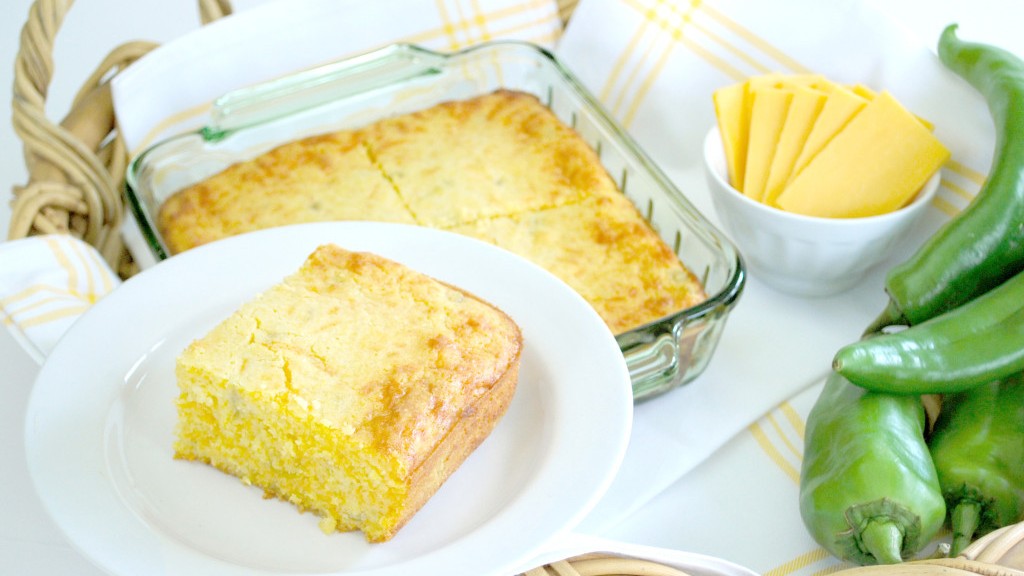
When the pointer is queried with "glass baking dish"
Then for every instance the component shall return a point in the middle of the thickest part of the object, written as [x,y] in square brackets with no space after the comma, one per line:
[403,78]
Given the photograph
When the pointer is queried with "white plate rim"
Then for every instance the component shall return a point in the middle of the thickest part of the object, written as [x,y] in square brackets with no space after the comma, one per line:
[598,410]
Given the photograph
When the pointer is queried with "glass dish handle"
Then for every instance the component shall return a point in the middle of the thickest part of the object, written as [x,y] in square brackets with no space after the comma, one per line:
[318,86]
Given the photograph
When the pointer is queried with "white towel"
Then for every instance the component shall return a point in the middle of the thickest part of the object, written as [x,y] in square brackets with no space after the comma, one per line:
[46,283]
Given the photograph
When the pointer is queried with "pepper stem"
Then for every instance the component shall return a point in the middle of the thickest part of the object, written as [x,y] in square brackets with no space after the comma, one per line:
[964,522]
[883,540]
[891,316]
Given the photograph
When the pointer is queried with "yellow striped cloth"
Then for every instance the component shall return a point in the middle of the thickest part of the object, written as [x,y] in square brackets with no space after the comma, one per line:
[46,283]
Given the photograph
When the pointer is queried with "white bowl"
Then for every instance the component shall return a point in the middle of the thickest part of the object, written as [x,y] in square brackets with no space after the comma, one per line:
[806,255]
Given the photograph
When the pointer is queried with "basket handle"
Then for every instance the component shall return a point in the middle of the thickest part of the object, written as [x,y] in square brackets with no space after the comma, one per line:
[76,166]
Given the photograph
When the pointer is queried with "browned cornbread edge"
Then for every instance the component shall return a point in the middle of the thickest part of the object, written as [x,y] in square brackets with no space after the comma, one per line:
[462,440]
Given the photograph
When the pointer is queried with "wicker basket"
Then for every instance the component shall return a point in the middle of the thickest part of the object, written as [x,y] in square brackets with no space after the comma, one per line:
[604,565]
[76,166]
[76,172]
[999,553]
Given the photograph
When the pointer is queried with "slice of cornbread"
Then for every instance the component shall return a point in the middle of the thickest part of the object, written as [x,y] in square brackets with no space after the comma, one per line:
[321,178]
[607,253]
[352,389]
[499,154]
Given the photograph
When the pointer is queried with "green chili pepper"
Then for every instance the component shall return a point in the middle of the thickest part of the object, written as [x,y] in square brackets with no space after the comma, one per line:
[869,493]
[981,341]
[984,245]
[977,446]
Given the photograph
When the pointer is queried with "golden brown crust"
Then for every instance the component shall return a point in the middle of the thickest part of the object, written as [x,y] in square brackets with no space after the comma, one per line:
[462,440]
[500,167]
[608,254]
[433,371]
[497,155]
[322,178]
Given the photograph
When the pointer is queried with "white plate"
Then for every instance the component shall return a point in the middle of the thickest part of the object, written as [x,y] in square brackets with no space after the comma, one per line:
[100,422]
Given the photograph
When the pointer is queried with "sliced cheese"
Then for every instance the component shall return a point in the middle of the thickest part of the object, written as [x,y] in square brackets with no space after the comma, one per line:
[876,164]
[804,109]
[813,81]
[731,112]
[780,80]
[840,106]
[768,109]
[864,92]
[869,94]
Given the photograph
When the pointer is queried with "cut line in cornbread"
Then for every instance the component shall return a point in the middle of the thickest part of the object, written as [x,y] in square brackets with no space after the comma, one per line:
[495,156]
[456,165]
[352,389]
[325,177]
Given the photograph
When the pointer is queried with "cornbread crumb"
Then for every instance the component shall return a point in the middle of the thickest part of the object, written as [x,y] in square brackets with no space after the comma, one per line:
[352,389]
[328,525]
[497,167]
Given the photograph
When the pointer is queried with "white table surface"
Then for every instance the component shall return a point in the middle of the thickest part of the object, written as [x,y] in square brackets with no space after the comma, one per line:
[30,543]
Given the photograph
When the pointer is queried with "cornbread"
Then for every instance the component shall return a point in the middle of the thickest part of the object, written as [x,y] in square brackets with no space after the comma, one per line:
[635,277]
[352,389]
[499,155]
[499,167]
[322,178]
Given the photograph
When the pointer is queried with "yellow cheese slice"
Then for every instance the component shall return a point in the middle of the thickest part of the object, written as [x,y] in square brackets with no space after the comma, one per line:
[755,83]
[731,114]
[840,106]
[876,164]
[767,115]
[868,94]
[804,109]
[781,80]
[732,111]
[864,92]
[813,81]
